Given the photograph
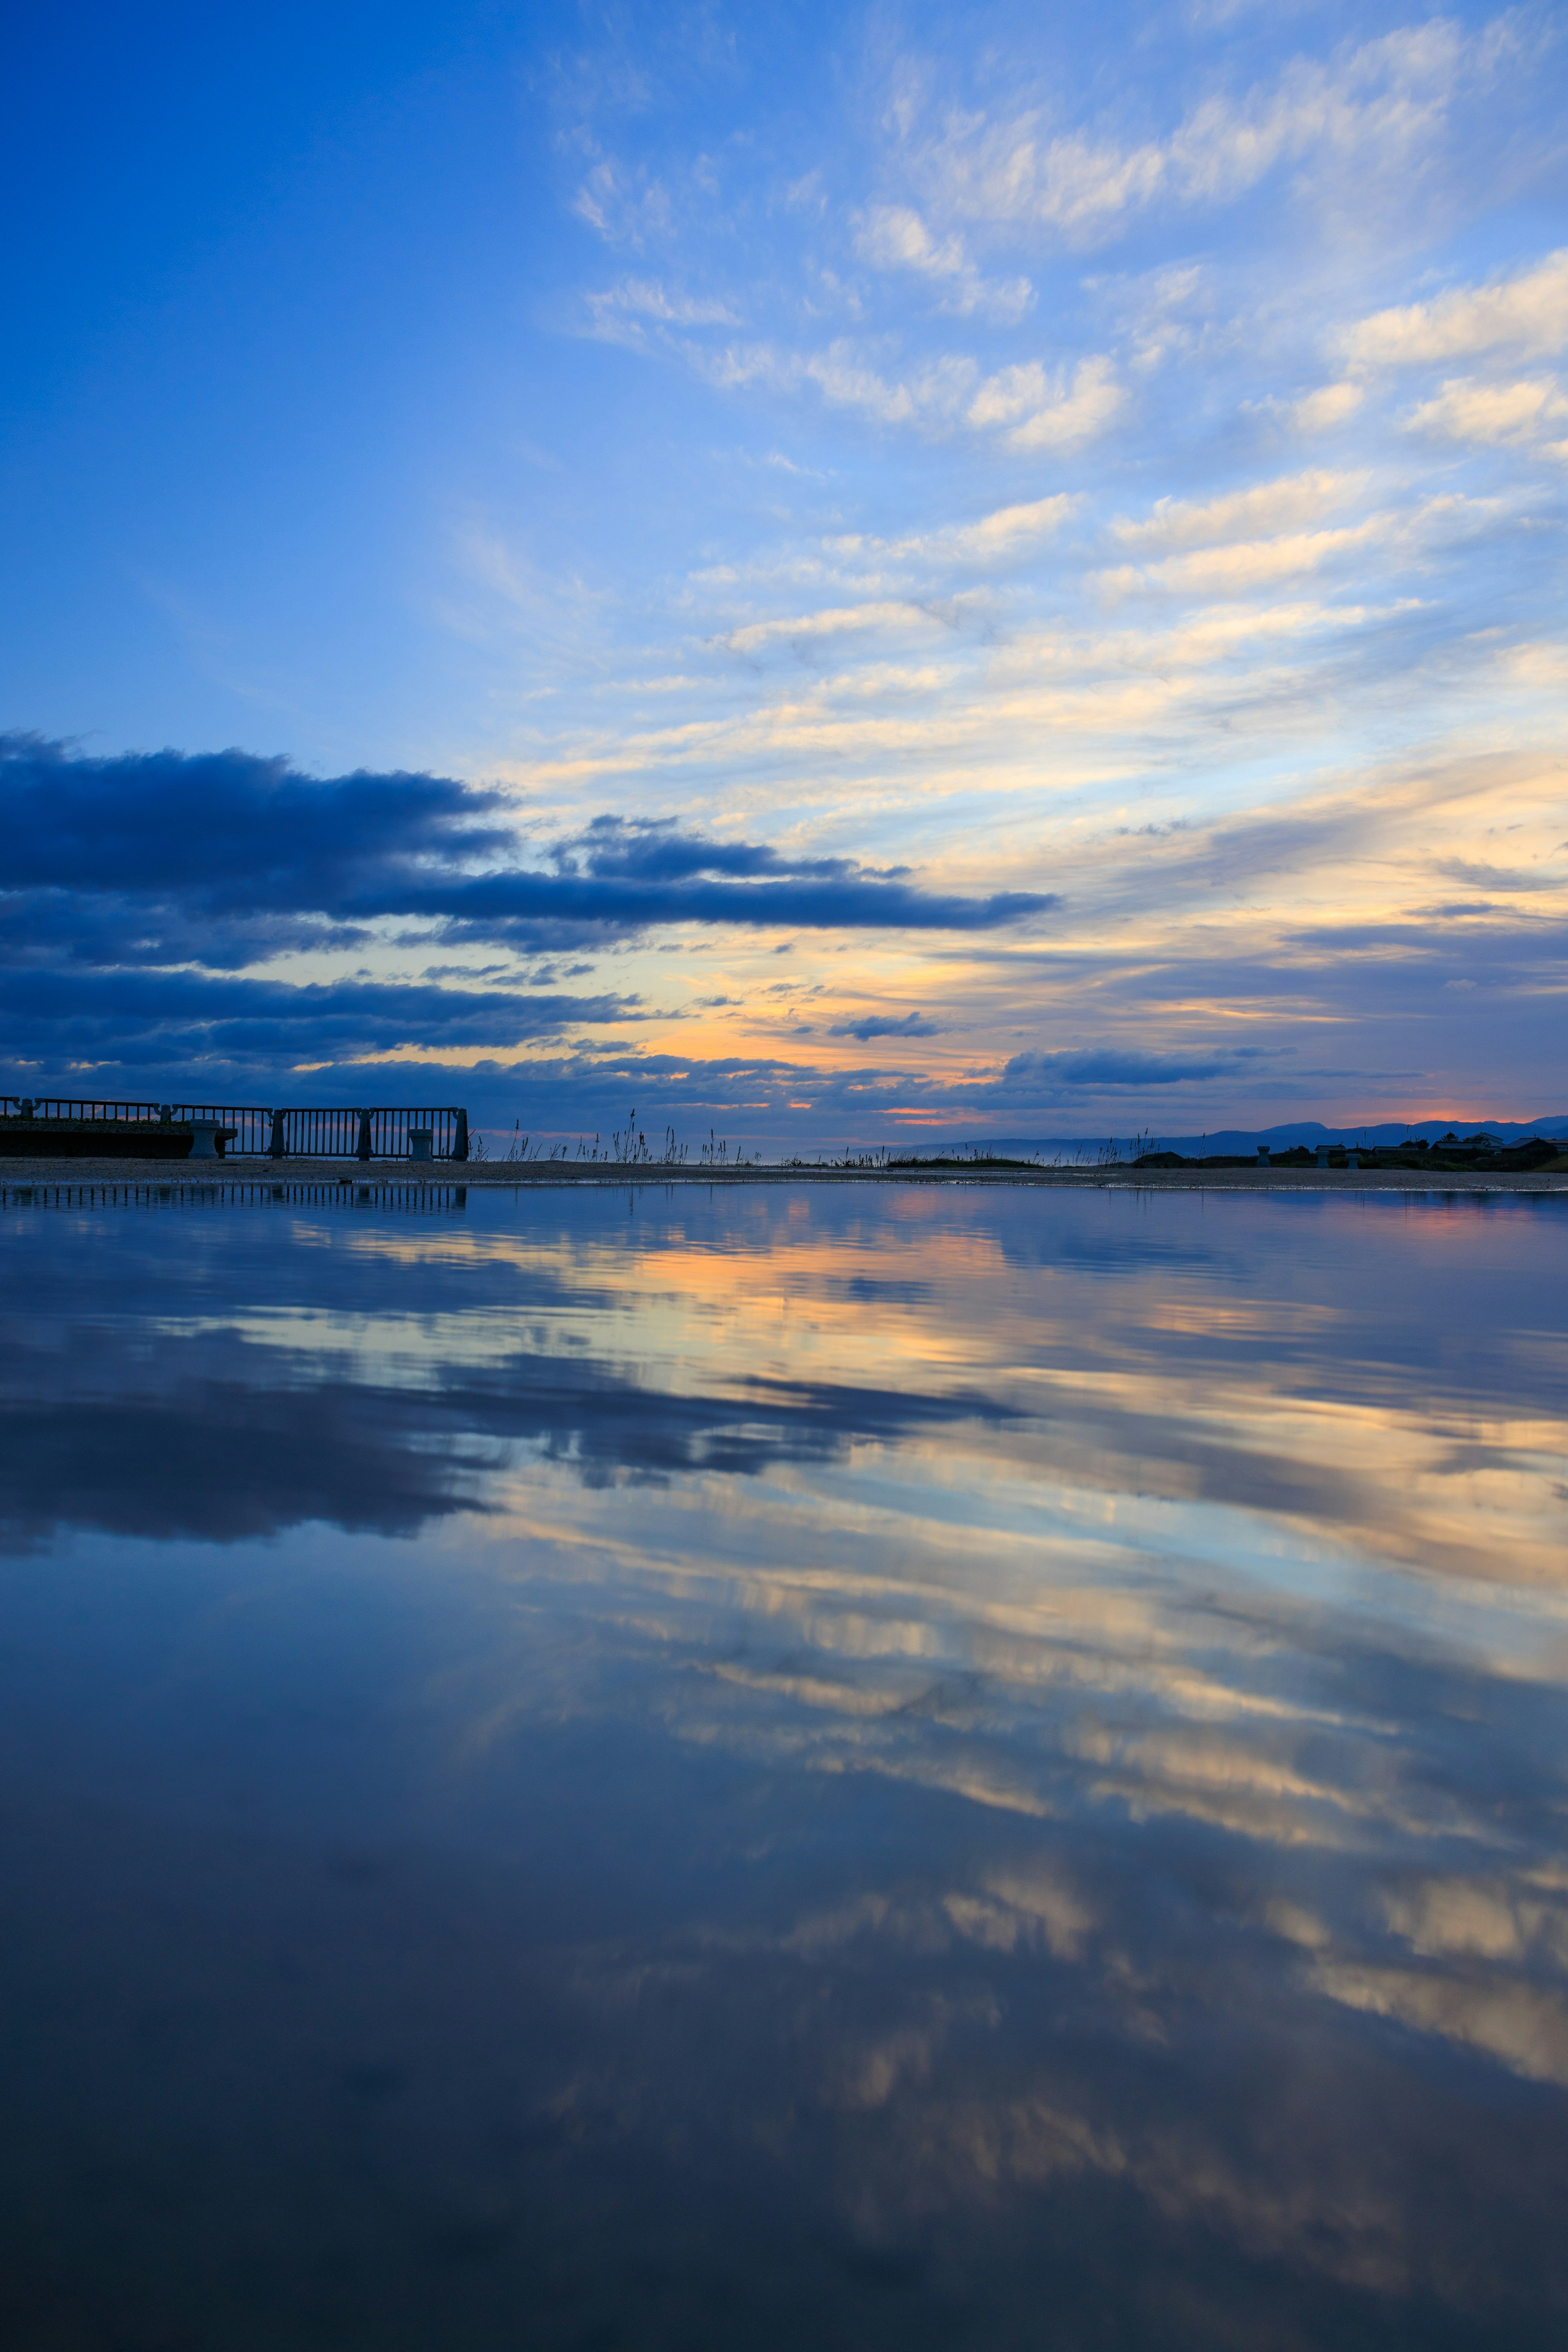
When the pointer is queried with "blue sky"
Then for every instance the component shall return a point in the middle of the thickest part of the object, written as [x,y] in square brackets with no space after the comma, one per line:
[822,572]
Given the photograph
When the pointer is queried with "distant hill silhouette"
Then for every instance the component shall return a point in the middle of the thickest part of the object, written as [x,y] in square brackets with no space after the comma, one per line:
[1247,1139]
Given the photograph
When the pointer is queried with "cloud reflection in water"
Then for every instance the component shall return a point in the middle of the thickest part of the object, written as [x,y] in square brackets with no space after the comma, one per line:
[923,1760]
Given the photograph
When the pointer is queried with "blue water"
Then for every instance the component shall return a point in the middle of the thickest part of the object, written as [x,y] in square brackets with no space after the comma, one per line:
[842,1767]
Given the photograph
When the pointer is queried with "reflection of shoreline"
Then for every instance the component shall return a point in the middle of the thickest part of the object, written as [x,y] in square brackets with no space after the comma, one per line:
[316,1178]
[99,1189]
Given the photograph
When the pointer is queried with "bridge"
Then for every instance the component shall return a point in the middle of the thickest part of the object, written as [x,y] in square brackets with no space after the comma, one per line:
[67,1127]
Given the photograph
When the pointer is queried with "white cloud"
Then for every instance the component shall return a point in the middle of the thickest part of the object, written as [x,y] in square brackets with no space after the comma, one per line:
[1330,404]
[1036,408]
[935,392]
[644,298]
[1048,410]
[624,207]
[995,540]
[1468,410]
[1527,313]
[739,365]
[1240,514]
[864,564]
[1541,666]
[1380,98]
[1375,101]
[1166,312]
[1006,532]
[843,376]
[1198,640]
[1254,563]
[838,622]
[892,237]
[807,193]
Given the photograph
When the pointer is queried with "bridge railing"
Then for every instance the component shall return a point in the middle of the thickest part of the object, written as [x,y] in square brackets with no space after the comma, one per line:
[381,1132]
[64,1107]
[313,1135]
[251,1123]
[390,1131]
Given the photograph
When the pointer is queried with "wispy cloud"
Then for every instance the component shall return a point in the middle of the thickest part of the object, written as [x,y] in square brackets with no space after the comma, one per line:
[851,376]
[1321,411]
[633,300]
[626,205]
[1525,314]
[894,237]
[1264,507]
[851,618]
[1040,408]
[1031,407]
[1006,532]
[1467,408]
[1236,569]
[1373,102]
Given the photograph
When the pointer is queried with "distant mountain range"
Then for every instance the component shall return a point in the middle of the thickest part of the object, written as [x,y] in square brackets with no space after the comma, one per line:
[1247,1139]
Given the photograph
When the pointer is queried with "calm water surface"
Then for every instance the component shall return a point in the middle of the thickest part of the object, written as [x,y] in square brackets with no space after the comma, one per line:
[849,1768]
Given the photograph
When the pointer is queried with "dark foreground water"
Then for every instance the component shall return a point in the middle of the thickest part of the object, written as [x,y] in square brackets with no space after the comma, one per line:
[819,1769]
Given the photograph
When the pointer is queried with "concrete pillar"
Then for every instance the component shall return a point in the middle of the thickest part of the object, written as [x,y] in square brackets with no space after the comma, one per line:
[364,1135]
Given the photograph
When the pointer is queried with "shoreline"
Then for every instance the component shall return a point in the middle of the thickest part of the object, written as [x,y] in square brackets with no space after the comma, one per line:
[490,1175]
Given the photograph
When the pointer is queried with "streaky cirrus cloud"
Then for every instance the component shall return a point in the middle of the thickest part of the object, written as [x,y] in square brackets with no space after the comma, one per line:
[1464,409]
[1525,312]
[1370,103]
[894,237]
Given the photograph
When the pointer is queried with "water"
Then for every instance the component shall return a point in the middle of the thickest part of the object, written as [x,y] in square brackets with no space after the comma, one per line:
[851,1768]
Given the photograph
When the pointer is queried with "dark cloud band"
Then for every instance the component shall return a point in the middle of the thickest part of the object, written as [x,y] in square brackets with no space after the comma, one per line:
[138,892]
[144,845]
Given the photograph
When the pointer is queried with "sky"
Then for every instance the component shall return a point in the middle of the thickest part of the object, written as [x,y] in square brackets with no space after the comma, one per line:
[825,574]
